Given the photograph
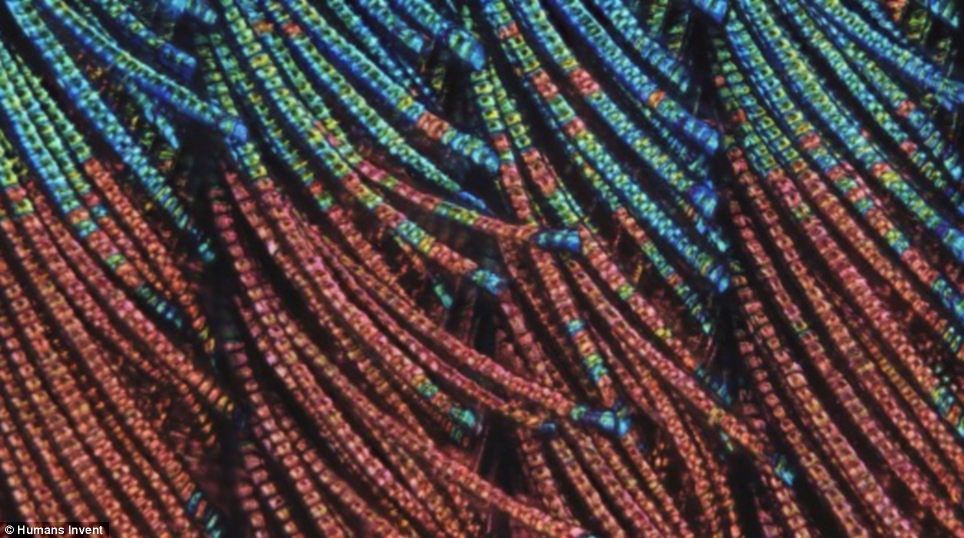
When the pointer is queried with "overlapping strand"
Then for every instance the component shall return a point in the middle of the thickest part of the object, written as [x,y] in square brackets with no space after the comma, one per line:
[496,268]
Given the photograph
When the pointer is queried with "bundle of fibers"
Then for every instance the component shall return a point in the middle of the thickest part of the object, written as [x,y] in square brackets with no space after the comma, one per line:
[850,249]
[482,268]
